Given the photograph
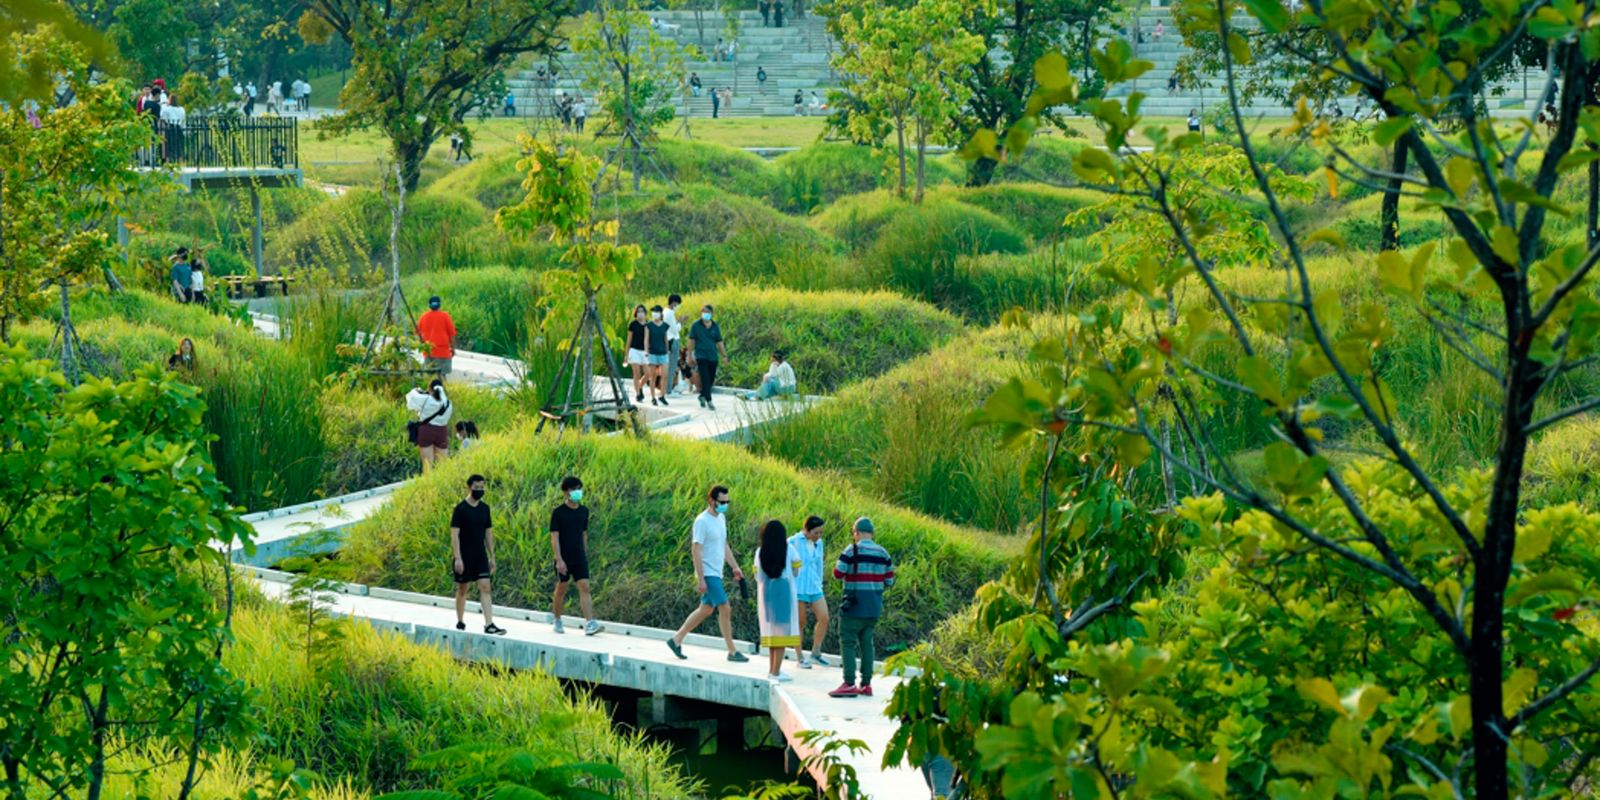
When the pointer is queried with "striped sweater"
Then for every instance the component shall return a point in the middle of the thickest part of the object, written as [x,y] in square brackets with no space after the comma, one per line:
[866,569]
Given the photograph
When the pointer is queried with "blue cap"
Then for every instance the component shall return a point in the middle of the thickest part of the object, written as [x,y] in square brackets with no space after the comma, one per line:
[864,525]
[435,302]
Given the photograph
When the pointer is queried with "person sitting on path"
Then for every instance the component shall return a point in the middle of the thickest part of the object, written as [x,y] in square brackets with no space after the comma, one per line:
[438,332]
[655,341]
[708,348]
[637,361]
[1194,121]
[808,589]
[779,380]
[710,552]
[776,567]
[866,569]
[472,554]
[467,434]
[569,540]
[433,418]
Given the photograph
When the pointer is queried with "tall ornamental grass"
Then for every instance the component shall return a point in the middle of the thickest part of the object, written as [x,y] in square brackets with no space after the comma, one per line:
[644,495]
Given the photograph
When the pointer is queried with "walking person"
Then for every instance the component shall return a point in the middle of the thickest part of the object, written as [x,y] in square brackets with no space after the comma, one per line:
[708,348]
[808,590]
[637,361]
[766,13]
[866,569]
[432,432]
[816,104]
[250,98]
[305,96]
[695,84]
[275,98]
[580,112]
[799,103]
[777,566]
[669,315]
[472,554]
[569,540]
[777,14]
[656,358]
[710,552]
[182,275]
[438,332]
[779,380]
[761,78]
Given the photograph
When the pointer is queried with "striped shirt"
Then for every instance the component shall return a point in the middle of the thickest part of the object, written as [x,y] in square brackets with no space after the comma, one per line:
[866,569]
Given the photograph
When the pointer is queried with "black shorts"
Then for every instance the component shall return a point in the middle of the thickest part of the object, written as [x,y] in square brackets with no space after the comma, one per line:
[477,568]
[577,568]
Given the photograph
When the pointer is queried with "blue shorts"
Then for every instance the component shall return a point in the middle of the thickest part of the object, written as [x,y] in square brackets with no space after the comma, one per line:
[715,595]
[809,598]
[656,361]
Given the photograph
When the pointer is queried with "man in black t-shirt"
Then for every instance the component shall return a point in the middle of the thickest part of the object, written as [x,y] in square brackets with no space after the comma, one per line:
[472,554]
[569,538]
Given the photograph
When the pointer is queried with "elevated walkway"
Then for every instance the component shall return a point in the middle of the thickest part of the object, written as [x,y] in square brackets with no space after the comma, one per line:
[636,658]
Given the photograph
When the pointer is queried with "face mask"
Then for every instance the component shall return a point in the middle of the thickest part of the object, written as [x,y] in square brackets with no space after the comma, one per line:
[477,494]
[576,495]
[706,315]
[722,508]
[656,316]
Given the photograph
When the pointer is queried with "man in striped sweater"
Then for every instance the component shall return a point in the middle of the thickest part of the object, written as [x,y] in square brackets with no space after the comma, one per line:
[866,569]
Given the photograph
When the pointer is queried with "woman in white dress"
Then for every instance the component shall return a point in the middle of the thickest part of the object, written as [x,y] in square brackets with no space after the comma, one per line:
[777,568]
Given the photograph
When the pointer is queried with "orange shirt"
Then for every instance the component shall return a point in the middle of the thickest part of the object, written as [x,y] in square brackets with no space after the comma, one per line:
[437,329]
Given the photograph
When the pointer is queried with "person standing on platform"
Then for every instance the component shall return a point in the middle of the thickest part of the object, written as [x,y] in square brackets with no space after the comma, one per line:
[808,589]
[569,539]
[777,565]
[866,569]
[472,554]
[438,332]
[674,339]
[433,419]
[710,552]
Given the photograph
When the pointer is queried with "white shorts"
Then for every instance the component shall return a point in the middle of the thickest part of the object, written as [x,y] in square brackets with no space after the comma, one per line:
[636,357]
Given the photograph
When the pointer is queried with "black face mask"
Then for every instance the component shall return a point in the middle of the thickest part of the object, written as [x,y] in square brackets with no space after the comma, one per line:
[477,494]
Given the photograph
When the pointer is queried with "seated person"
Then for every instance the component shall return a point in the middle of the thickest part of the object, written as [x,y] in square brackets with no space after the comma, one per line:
[779,379]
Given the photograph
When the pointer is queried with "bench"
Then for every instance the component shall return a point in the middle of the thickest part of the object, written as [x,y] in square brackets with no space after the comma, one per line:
[263,285]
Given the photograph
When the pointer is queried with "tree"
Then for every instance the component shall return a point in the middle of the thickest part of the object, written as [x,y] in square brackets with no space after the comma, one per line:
[111,540]
[633,71]
[903,63]
[23,78]
[418,66]
[61,182]
[1361,624]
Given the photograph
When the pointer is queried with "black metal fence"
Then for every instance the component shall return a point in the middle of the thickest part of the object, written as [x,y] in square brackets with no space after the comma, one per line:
[225,142]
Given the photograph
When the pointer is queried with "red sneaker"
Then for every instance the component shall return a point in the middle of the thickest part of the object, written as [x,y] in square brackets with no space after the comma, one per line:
[864,691]
[844,690]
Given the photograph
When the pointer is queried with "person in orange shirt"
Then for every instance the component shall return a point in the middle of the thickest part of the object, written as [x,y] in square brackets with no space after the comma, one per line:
[438,330]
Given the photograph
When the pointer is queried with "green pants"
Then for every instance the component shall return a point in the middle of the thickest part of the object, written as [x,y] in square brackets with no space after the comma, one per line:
[856,633]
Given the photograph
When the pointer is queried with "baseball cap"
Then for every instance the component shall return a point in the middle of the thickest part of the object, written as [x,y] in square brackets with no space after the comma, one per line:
[435,302]
[864,525]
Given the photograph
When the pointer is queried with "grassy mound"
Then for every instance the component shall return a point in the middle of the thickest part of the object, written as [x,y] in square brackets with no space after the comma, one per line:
[903,435]
[644,496]
[1036,209]
[707,215]
[350,235]
[855,220]
[493,181]
[728,168]
[917,250]
[362,714]
[817,175]
[831,338]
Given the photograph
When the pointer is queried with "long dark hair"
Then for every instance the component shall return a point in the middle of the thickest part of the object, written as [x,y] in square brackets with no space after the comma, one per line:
[774,554]
[436,388]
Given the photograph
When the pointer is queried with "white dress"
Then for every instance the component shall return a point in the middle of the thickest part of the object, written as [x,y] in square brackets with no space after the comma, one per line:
[776,601]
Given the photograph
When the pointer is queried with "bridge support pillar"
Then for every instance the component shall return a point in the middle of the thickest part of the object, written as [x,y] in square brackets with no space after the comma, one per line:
[255,233]
[658,709]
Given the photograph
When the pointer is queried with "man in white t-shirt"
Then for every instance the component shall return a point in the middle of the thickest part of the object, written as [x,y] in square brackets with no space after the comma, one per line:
[674,340]
[710,550]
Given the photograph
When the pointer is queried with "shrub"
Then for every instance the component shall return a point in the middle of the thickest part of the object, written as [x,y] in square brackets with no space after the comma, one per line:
[1038,210]
[379,702]
[814,176]
[644,495]
[903,435]
[1050,280]
[917,251]
[363,431]
[831,338]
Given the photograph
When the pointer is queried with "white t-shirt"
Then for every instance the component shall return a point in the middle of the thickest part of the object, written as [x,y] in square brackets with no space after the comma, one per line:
[673,328]
[423,405]
[711,533]
[579,110]
[197,280]
[173,114]
[782,373]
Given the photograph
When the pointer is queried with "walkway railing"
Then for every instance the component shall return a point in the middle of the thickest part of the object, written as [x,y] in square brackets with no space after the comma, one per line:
[225,142]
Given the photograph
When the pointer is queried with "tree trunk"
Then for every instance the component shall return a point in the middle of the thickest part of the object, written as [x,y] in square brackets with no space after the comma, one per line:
[982,172]
[1389,216]
[409,154]
[900,139]
[113,283]
[69,338]
[1593,220]
[922,148]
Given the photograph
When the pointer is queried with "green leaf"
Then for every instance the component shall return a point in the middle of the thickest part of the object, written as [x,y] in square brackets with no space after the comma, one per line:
[1052,72]
[1132,450]
[1386,132]
[1273,16]
[1321,692]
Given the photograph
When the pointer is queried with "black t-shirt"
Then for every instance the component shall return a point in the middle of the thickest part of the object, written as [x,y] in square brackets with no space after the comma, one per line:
[657,338]
[635,335]
[473,523]
[569,524]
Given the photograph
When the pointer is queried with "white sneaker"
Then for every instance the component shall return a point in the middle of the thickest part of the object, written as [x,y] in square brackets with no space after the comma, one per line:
[782,677]
[591,628]
[560,626]
[805,662]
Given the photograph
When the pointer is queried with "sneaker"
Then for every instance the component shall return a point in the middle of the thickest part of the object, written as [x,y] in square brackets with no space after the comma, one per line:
[805,662]
[864,691]
[494,630]
[781,677]
[561,627]
[844,690]
[676,649]
[737,657]
[663,399]
[711,405]
[816,658]
[461,626]
[702,402]
[591,628]
[638,397]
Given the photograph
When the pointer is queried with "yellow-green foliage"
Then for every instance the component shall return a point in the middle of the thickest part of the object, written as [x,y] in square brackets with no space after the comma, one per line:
[903,435]
[831,338]
[704,214]
[1564,464]
[1038,209]
[917,250]
[855,219]
[362,428]
[644,495]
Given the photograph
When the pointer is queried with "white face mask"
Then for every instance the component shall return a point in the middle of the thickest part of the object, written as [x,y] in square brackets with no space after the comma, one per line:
[656,316]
